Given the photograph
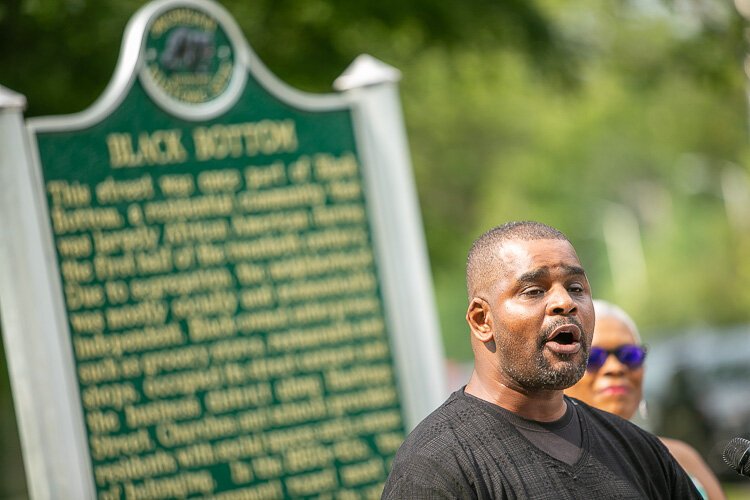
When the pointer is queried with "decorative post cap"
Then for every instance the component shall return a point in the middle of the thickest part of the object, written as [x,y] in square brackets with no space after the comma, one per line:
[11,100]
[366,71]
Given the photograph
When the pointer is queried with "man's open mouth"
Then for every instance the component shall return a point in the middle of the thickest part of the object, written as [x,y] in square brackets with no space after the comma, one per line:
[565,339]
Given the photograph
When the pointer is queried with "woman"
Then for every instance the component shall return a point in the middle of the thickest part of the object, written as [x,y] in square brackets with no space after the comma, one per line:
[614,382]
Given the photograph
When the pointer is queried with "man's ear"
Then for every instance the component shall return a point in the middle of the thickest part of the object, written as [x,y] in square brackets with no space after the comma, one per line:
[479,317]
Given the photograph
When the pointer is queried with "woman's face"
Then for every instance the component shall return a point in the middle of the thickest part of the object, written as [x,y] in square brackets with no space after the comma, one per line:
[614,387]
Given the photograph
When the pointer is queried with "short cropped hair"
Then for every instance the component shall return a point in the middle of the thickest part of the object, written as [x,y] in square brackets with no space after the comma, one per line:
[604,309]
[482,260]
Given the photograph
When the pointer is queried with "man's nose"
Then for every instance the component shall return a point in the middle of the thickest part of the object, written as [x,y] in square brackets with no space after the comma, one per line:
[561,302]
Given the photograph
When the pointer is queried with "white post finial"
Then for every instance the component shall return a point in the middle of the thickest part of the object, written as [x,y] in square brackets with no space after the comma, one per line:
[364,71]
[10,100]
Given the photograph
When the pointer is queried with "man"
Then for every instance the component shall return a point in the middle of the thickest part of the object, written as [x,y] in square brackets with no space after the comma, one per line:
[510,432]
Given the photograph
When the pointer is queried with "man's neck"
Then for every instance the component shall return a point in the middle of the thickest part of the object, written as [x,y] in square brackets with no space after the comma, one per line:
[541,405]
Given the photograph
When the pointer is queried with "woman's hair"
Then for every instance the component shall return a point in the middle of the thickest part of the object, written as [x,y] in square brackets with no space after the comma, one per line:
[604,309]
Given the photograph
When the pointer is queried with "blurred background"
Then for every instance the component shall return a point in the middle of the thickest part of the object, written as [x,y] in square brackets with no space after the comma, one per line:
[624,124]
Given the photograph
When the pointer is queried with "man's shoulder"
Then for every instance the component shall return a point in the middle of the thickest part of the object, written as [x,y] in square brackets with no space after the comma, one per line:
[445,426]
[442,421]
[637,449]
[433,461]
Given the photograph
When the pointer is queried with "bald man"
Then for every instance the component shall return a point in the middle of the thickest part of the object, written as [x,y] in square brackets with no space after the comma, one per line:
[510,432]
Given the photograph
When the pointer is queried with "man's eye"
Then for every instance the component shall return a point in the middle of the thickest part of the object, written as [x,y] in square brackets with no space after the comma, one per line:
[575,288]
[533,292]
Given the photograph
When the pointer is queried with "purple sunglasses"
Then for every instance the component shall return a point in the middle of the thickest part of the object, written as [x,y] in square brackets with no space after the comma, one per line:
[629,355]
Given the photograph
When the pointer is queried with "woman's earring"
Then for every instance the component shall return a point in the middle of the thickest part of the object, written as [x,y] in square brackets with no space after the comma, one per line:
[643,409]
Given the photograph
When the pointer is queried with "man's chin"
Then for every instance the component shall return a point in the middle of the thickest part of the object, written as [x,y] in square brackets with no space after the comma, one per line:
[572,367]
[549,376]
[562,377]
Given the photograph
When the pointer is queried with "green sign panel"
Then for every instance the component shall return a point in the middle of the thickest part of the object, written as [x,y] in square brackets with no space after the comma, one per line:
[223,299]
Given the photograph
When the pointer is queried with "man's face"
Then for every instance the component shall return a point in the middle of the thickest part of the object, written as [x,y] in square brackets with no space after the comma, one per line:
[543,317]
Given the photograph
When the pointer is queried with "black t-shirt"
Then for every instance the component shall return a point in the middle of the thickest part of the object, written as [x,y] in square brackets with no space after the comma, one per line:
[465,450]
[560,439]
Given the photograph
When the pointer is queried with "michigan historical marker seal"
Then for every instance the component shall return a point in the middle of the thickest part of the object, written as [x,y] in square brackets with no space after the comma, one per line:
[190,63]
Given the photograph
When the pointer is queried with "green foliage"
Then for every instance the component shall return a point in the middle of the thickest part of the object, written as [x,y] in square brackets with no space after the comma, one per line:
[654,122]
[61,53]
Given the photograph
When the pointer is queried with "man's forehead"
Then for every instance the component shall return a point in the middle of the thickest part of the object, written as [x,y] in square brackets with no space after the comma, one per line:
[538,256]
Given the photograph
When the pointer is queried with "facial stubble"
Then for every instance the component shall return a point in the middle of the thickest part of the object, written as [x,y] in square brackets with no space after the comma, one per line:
[538,373]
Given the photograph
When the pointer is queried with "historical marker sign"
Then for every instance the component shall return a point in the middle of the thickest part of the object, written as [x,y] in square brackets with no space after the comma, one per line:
[232,273]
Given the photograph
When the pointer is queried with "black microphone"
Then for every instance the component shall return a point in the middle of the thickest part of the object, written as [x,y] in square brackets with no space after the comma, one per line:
[737,455]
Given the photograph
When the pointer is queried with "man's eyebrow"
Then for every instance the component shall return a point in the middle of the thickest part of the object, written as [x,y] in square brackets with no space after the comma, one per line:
[533,275]
[541,273]
[574,270]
